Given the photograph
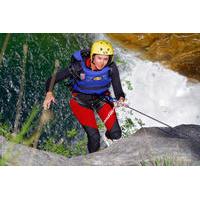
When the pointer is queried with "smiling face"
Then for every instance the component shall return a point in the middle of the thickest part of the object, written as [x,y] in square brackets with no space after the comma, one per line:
[100,61]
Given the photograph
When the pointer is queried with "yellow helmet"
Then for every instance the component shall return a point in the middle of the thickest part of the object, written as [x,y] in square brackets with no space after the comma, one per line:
[102,47]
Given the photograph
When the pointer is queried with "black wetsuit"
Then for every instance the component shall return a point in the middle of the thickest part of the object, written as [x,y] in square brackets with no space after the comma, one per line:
[84,105]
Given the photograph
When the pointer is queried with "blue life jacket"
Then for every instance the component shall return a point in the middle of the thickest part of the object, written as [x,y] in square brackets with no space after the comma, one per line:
[92,82]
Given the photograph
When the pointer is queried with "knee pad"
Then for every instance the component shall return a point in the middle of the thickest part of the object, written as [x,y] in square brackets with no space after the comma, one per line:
[93,139]
[93,143]
[114,135]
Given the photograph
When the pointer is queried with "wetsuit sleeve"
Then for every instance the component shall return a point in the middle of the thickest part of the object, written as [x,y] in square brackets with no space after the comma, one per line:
[116,82]
[74,70]
[60,75]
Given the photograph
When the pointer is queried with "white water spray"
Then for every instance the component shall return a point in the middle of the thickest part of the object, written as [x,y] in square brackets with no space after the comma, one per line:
[156,91]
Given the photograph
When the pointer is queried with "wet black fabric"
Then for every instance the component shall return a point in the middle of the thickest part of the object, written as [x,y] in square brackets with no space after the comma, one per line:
[93,136]
[115,133]
[93,139]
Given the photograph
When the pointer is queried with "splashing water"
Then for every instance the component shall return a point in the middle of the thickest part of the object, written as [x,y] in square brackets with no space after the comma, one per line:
[156,91]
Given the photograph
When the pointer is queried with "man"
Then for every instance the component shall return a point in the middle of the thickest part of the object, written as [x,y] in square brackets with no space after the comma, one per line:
[92,73]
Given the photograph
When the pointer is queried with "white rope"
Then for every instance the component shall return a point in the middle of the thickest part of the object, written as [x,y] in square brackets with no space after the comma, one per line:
[109,115]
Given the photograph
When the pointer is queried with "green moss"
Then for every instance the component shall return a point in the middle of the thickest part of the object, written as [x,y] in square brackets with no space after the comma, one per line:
[100,124]
[80,148]
[3,161]
[5,131]
[129,123]
[72,133]
[164,161]
[129,86]
[51,146]
[119,61]
[27,124]
[140,122]
[130,126]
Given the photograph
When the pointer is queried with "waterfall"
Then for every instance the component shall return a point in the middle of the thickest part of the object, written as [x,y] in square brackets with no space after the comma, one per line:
[155,90]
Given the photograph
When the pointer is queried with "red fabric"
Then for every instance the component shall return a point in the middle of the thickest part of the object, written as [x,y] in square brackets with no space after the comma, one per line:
[84,115]
[90,65]
[103,114]
[74,94]
[88,62]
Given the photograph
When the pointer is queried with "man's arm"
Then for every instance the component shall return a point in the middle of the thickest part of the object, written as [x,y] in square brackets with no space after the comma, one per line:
[116,82]
[60,75]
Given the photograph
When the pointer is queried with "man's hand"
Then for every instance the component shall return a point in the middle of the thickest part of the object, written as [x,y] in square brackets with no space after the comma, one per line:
[121,102]
[48,100]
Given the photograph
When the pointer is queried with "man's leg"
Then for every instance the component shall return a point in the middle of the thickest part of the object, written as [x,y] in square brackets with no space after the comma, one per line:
[86,118]
[108,115]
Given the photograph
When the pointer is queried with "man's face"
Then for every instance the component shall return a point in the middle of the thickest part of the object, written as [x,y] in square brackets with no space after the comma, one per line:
[100,61]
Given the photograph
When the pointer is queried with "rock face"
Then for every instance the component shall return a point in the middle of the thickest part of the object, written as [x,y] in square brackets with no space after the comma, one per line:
[180,52]
[148,146]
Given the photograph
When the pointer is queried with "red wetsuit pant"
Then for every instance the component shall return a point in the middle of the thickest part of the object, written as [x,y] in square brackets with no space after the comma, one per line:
[83,107]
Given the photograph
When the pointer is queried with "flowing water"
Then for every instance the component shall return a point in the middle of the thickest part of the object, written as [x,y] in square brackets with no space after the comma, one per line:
[156,91]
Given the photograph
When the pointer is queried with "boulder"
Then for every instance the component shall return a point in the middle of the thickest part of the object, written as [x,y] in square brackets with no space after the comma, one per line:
[148,146]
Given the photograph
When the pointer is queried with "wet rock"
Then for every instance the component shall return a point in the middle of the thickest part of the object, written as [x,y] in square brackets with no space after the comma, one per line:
[148,146]
[180,52]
